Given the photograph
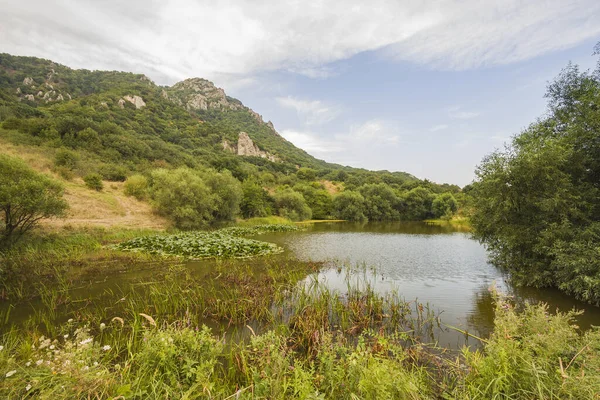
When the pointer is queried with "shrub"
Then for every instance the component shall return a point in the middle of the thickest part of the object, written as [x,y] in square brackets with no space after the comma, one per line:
[66,158]
[136,186]
[291,204]
[93,181]
[113,173]
[349,205]
[26,197]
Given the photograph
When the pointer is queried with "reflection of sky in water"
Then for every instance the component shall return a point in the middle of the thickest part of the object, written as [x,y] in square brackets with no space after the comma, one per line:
[449,271]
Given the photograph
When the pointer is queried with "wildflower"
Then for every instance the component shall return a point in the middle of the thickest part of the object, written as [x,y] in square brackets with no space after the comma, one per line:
[95,363]
[106,347]
[28,363]
[39,362]
[11,373]
[86,368]
[70,320]
[1,347]
[52,347]
[28,387]
[66,336]
[86,341]
[102,326]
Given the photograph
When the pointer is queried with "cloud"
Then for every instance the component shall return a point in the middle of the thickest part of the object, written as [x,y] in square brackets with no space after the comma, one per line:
[373,132]
[173,39]
[456,112]
[440,127]
[312,142]
[314,112]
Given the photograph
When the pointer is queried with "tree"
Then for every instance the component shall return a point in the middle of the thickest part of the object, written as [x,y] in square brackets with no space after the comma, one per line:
[227,194]
[255,200]
[26,197]
[350,206]
[381,203]
[136,186]
[292,205]
[417,204]
[182,196]
[444,206]
[537,203]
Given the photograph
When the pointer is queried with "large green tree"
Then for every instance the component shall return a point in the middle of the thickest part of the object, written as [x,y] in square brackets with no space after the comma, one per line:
[537,202]
[26,197]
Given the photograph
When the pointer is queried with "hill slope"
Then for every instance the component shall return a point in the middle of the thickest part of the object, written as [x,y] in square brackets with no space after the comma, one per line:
[127,119]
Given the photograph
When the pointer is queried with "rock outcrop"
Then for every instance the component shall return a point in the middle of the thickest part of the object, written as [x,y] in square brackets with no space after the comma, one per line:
[28,81]
[246,147]
[137,101]
[200,94]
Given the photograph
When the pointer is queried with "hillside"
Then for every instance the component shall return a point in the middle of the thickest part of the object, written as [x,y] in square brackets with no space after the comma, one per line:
[115,125]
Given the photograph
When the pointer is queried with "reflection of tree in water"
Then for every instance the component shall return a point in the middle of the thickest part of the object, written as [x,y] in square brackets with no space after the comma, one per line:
[417,227]
[481,318]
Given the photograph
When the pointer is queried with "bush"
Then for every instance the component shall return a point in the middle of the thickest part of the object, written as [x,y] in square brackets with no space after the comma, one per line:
[182,196]
[26,197]
[93,181]
[444,206]
[136,186]
[350,206]
[113,173]
[66,158]
[291,204]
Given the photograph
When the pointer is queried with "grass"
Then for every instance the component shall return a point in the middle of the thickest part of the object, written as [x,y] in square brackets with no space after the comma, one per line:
[275,332]
[530,355]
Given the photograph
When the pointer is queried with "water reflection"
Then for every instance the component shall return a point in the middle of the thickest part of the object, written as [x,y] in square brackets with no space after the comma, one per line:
[435,264]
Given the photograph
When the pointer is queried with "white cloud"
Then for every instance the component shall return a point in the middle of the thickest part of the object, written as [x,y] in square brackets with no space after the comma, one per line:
[372,132]
[456,112]
[314,112]
[440,127]
[174,39]
[311,142]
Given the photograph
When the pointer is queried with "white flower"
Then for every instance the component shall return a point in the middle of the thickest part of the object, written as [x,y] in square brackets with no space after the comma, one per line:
[11,373]
[52,347]
[86,368]
[102,326]
[39,362]
[70,320]
[86,341]
[106,347]
[66,336]
[1,347]
[28,387]
[95,363]
[28,363]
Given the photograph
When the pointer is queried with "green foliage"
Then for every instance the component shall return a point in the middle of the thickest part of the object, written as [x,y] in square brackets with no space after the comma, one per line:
[418,204]
[317,198]
[534,355]
[136,186]
[255,200]
[226,194]
[444,206]
[381,203]
[291,204]
[537,203]
[306,174]
[224,243]
[66,158]
[350,206]
[26,197]
[94,181]
[183,196]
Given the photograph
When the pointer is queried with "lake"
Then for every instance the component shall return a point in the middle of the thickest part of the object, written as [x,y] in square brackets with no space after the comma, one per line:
[439,265]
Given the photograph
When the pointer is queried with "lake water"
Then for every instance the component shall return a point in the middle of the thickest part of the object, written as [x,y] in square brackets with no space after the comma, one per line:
[435,264]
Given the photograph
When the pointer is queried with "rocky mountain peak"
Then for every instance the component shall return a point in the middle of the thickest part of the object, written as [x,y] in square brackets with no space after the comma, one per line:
[200,94]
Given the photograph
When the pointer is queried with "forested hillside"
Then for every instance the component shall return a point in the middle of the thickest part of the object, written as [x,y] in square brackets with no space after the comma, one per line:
[195,154]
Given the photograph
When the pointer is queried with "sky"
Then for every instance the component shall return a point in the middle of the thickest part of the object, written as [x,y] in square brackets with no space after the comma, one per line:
[428,87]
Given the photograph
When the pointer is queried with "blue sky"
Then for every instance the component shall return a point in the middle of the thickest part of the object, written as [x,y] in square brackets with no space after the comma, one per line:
[423,86]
